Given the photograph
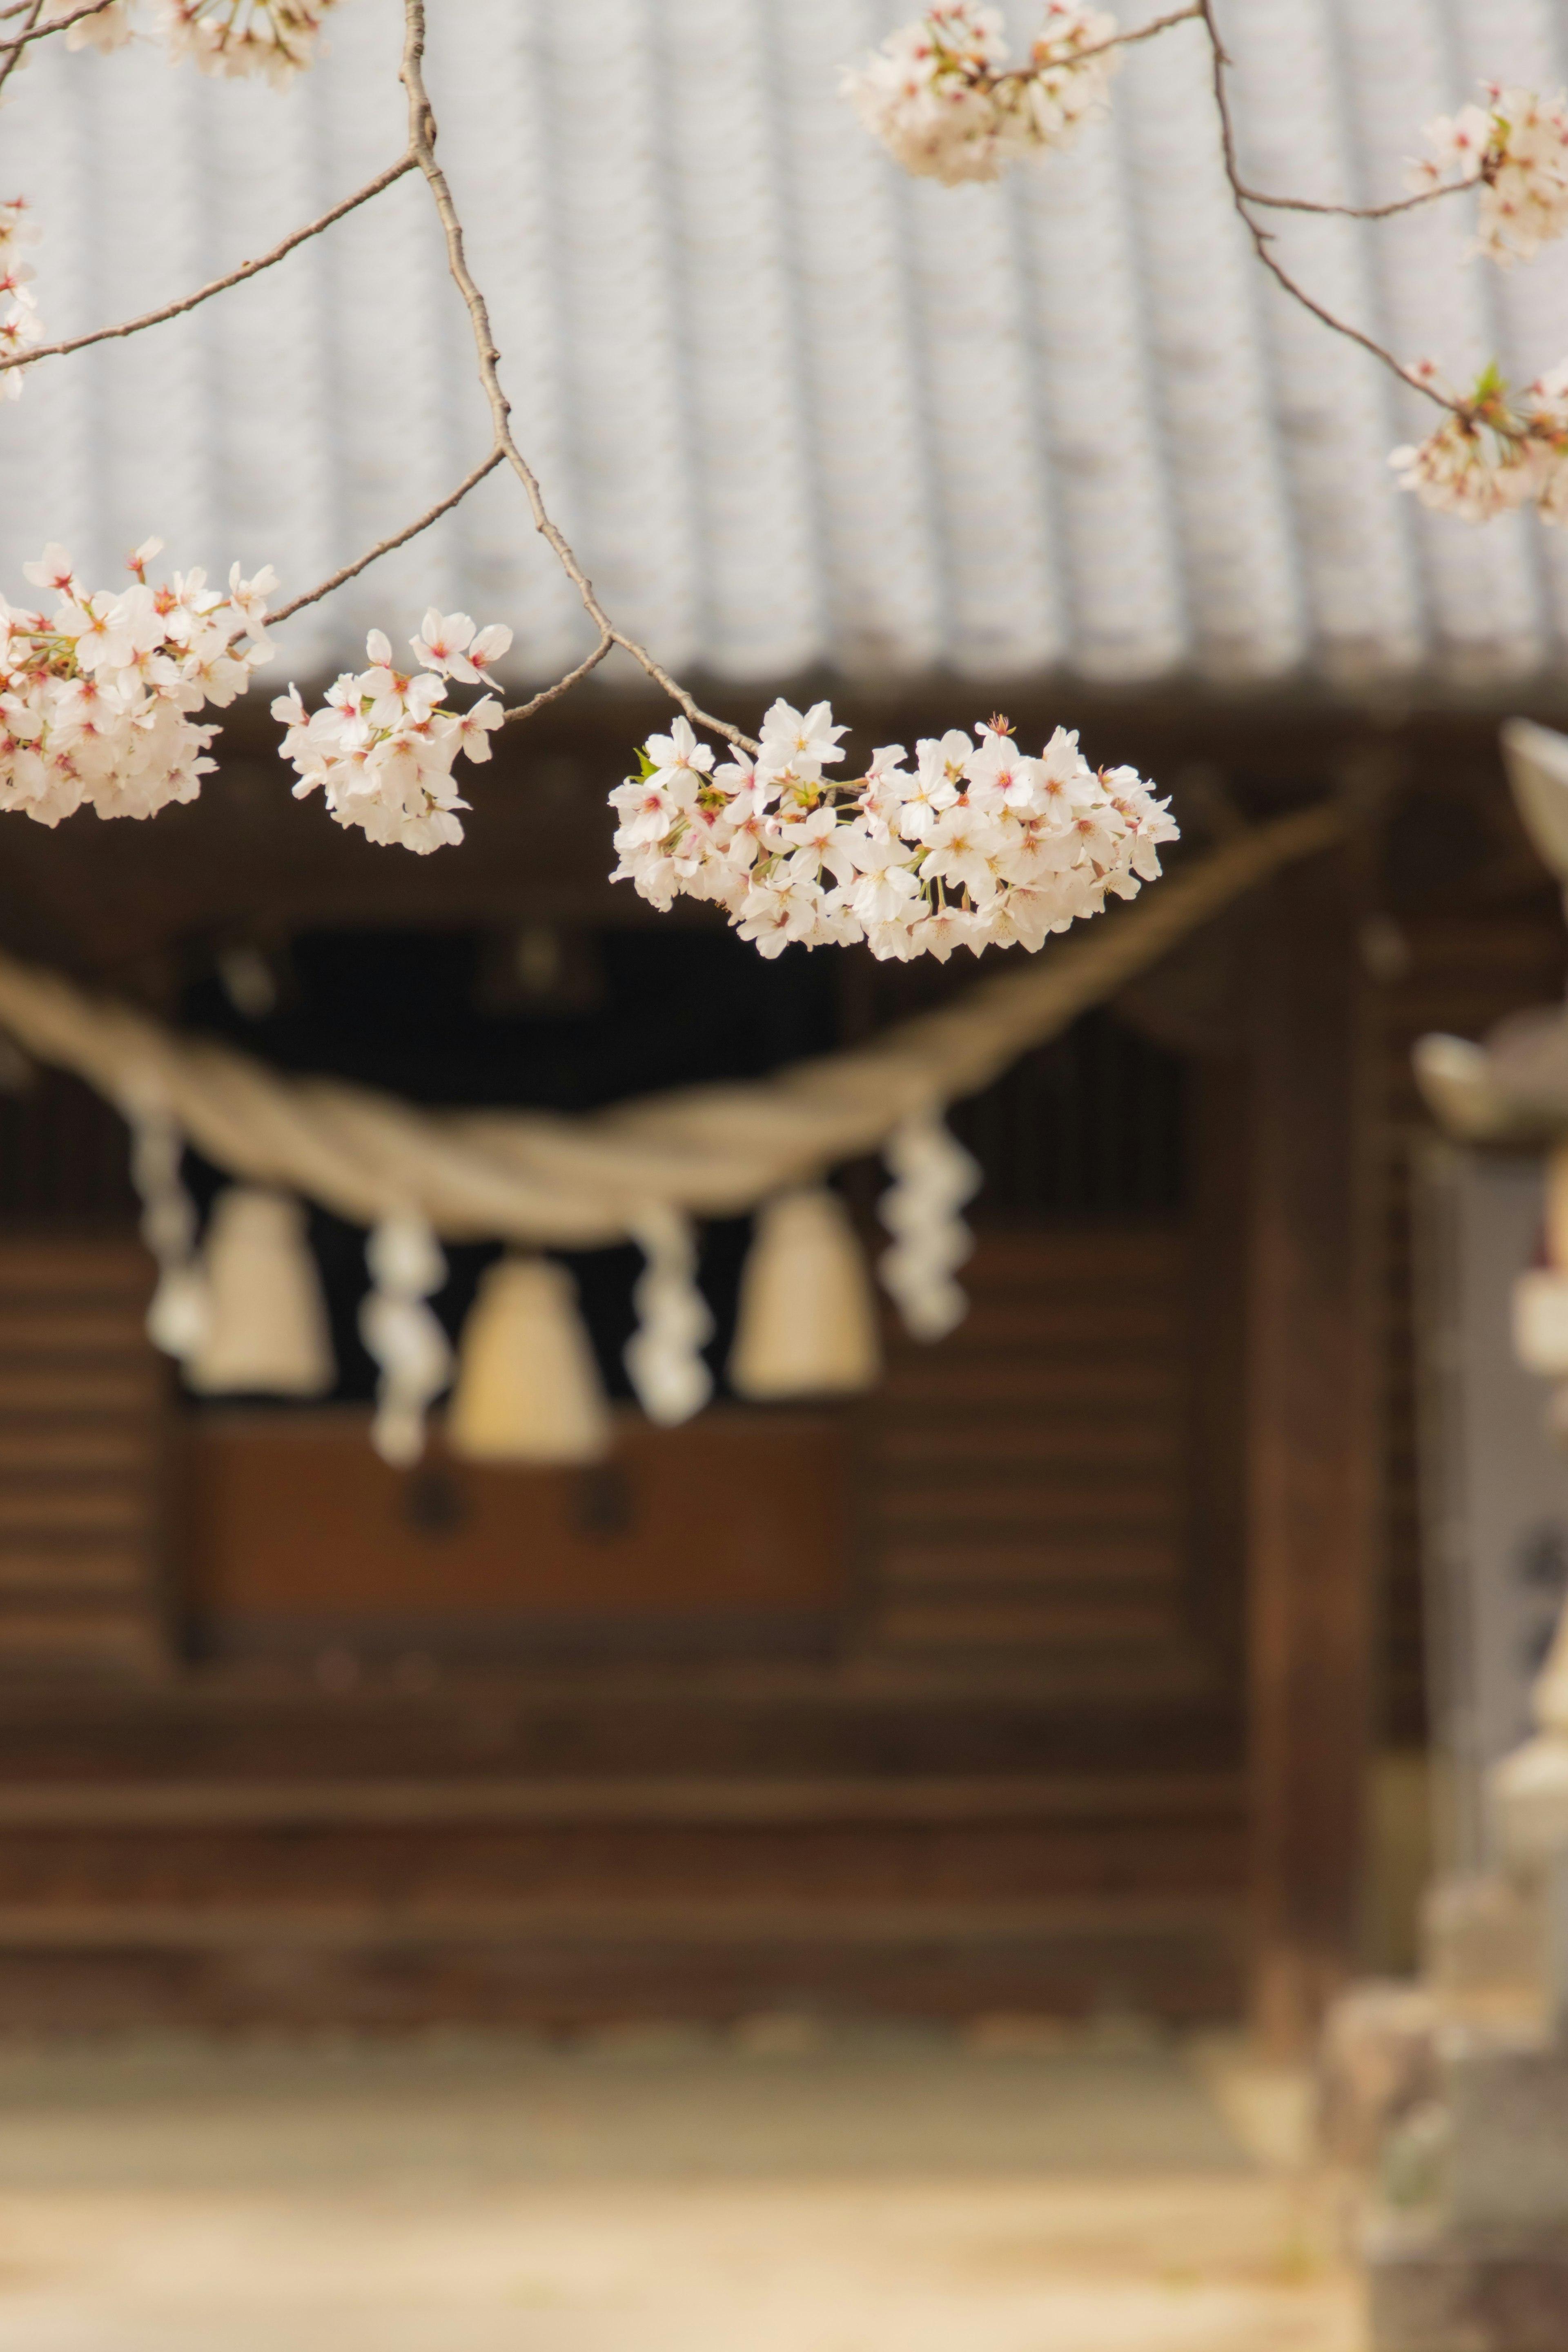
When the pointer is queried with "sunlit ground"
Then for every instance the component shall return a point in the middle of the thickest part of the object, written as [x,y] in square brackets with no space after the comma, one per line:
[773,2190]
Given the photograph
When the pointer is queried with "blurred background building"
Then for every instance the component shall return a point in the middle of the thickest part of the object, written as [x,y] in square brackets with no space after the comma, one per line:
[1081,1666]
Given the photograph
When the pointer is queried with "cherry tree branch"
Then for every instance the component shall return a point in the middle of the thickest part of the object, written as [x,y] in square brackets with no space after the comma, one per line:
[1114,41]
[1359,211]
[397,539]
[37,32]
[405,165]
[10,57]
[563,686]
[1263,241]
[422,131]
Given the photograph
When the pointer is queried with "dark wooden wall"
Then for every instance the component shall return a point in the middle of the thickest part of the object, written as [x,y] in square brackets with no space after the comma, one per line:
[1078,1679]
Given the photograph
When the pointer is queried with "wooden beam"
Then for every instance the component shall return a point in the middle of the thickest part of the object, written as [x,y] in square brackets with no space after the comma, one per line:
[1313,1445]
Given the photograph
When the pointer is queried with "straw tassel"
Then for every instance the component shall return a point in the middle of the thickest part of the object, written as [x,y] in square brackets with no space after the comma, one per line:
[266,1331]
[528,1386]
[807,1323]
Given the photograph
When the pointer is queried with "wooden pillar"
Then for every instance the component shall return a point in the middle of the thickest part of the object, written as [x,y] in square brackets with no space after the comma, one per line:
[1312,1447]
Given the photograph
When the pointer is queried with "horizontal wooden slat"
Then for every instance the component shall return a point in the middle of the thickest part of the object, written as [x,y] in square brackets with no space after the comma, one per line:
[47,1446]
[86,1925]
[1032,1381]
[1132,1448]
[1120,1254]
[50,1327]
[85,1635]
[1029,1476]
[940,1624]
[56,1264]
[1090,1561]
[118,1389]
[279,1803]
[72,1505]
[1020,1508]
[61,1569]
[1103,1327]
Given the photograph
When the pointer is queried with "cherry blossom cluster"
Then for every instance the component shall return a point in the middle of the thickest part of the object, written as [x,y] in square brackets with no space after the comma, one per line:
[275,38]
[19,328]
[943,97]
[1492,455]
[383,746]
[1516,148]
[974,846]
[96,701]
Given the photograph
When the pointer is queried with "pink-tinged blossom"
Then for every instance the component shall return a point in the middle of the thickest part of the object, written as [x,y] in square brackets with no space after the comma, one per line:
[976,845]
[797,744]
[107,29]
[1515,149]
[20,331]
[451,644]
[276,37]
[53,570]
[680,762]
[1495,453]
[382,748]
[944,101]
[97,698]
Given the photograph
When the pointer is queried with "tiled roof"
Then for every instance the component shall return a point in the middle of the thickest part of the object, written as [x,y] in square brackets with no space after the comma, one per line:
[794,409]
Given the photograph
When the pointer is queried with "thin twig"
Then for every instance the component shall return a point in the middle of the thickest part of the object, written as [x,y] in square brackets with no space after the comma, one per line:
[405,165]
[1262,241]
[32,9]
[1124,40]
[422,140]
[38,32]
[399,539]
[562,685]
[1359,211]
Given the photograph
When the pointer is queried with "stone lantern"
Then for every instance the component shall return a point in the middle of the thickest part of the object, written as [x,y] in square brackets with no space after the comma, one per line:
[1477,2259]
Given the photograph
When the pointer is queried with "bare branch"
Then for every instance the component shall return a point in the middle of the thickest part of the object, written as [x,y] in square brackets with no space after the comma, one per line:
[32,9]
[1127,40]
[405,165]
[562,685]
[397,539]
[38,32]
[1359,211]
[1262,240]
[422,140]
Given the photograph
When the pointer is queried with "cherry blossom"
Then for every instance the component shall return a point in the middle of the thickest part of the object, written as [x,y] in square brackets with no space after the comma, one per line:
[19,328]
[943,99]
[96,700]
[105,30]
[976,846]
[451,644]
[382,748]
[1516,148]
[275,38]
[1495,453]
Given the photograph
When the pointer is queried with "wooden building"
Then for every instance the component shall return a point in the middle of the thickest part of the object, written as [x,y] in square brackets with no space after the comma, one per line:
[1054,1675]
[1058,1674]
